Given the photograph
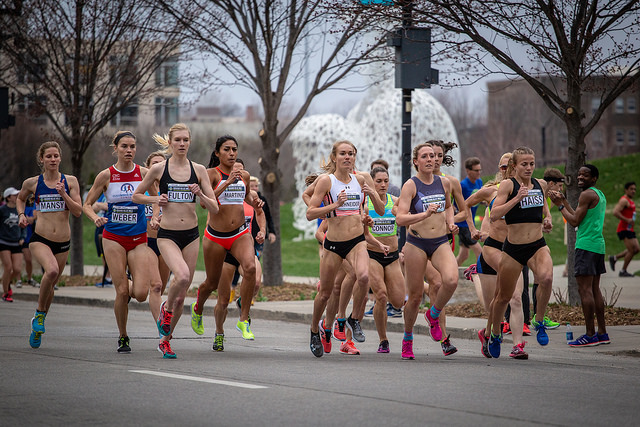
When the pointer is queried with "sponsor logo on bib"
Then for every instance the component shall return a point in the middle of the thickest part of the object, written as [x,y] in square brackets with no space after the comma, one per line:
[180,193]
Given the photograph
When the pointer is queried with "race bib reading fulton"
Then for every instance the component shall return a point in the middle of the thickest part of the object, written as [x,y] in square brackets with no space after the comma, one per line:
[534,199]
[51,203]
[433,199]
[124,214]
[180,193]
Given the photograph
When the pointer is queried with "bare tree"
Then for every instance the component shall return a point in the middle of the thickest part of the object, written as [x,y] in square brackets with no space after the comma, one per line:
[261,44]
[79,63]
[562,49]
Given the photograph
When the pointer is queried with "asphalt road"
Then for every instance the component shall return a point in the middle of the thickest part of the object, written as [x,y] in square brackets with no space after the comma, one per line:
[78,378]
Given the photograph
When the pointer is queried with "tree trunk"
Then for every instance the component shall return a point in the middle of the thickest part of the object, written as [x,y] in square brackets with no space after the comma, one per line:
[271,185]
[575,161]
[77,258]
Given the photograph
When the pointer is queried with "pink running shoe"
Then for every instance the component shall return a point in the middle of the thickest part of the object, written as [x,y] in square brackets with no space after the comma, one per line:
[348,347]
[339,329]
[325,337]
[407,350]
[469,271]
[434,326]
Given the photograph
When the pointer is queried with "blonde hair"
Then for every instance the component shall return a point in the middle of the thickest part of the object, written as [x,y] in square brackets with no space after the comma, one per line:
[520,151]
[500,175]
[330,167]
[43,148]
[158,153]
[254,179]
[165,141]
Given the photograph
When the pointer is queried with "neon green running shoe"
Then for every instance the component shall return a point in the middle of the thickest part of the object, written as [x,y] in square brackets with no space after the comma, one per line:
[245,329]
[218,342]
[550,324]
[196,320]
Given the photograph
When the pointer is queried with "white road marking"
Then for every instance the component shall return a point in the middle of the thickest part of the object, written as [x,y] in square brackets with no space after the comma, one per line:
[198,379]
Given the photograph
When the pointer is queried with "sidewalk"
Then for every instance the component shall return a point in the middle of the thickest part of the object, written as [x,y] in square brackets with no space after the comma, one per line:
[624,339]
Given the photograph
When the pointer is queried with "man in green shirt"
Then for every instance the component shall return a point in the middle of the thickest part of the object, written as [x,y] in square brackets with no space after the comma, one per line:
[589,257]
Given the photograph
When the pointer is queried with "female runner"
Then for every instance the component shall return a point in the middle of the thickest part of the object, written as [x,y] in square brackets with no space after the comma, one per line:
[422,207]
[56,195]
[179,181]
[522,202]
[125,231]
[227,232]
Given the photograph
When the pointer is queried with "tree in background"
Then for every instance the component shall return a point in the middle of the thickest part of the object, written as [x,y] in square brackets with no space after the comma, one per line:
[271,47]
[562,49]
[81,62]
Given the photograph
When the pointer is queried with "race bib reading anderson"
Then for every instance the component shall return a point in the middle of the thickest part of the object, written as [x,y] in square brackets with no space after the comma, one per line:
[180,193]
[434,199]
[51,203]
[383,225]
[124,214]
[534,199]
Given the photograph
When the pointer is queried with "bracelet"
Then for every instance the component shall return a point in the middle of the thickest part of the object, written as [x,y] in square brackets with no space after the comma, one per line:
[560,207]
[20,213]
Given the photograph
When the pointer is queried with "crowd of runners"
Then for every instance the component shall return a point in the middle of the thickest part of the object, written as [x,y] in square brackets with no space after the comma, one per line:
[150,231]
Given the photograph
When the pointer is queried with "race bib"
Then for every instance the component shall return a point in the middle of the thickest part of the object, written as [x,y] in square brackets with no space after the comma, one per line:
[180,193]
[433,199]
[124,214]
[51,203]
[534,199]
[352,203]
[383,225]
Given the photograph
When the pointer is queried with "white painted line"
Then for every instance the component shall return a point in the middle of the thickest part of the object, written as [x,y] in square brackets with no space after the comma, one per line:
[198,379]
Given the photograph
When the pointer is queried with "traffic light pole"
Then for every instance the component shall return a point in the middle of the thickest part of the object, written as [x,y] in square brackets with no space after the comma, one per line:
[407,22]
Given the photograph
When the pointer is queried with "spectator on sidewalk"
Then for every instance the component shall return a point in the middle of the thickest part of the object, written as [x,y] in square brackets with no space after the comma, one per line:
[11,238]
[590,249]
[625,210]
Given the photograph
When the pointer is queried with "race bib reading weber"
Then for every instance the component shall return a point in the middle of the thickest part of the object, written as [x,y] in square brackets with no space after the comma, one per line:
[124,214]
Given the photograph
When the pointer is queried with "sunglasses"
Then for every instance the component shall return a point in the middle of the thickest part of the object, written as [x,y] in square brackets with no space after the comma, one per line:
[504,167]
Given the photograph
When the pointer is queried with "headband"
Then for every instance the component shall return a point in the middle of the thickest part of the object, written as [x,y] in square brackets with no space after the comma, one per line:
[122,135]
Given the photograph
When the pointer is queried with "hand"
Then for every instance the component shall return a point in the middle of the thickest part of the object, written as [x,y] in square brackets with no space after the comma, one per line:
[453,229]
[60,188]
[433,208]
[547,225]
[154,223]
[367,221]
[163,200]
[556,197]
[260,237]
[522,192]
[385,249]
[342,197]
[257,203]
[369,191]
[23,222]
[100,221]
[476,234]
[195,189]
[272,237]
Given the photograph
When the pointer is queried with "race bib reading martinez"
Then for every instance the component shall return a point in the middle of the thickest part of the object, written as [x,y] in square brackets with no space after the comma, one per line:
[180,193]
[124,214]
[433,199]
[51,203]
[534,199]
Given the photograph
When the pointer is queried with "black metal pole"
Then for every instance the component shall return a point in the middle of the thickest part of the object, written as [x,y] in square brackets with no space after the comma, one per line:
[407,22]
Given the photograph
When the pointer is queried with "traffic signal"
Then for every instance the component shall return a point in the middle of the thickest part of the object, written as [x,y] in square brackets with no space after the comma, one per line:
[6,119]
[413,58]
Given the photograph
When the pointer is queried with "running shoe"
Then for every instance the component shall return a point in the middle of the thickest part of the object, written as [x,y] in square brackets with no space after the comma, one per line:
[35,339]
[407,350]
[348,347]
[494,345]
[612,262]
[603,339]
[325,336]
[245,330]
[218,342]
[339,329]
[541,332]
[123,345]
[469,271]
[369,313]
[484,341]
[165,348]
[316,344]
[383,347]
[19,284]
[550,324]
[392,311]
[506,328]
[239,305]
[7,297]
[37,322]
[434,326]
[164,322]
[356,330]
[33,283]
[526,331]
[624,273]
[518,352]
[585,341]
[232,295]
[447,348]
[196,320]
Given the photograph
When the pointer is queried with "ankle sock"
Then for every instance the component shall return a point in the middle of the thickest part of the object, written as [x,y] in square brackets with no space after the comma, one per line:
[408,336]
[434,312]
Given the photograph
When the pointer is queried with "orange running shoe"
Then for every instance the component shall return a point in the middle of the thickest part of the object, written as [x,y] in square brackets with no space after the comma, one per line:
[348,347]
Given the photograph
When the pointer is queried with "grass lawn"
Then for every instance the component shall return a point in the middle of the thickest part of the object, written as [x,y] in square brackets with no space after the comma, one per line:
[300,258]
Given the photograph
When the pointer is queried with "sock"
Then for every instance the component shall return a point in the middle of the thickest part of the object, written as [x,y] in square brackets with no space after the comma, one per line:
[408,336]
[341,319]
[434,312]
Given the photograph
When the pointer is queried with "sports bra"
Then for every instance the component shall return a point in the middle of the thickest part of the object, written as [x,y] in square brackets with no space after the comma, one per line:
[354,196]
[178,191]
[529,210]
[428,194]
[47,199]
[235,192]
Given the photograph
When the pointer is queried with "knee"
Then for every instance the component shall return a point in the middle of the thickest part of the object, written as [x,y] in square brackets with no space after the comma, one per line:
[182,279]
[381,296]
[51,274]
[363,280]
[249,270]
